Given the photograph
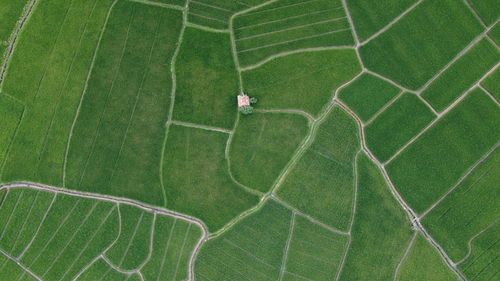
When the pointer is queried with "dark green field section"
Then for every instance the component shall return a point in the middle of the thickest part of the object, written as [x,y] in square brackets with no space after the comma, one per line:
[492,84]
[196,177]
[216,14]
[462,74]
[207,81]
[12,271]
[47,73]
[367,95]
[100,270]
[371,16]
[381,230]
[482,264]
[10,12]
[180,3]
[260,138]
[424,263]
[11,112]
[396,125]
[290,25]
[487,10]
[322,182]
[305,80]
[118,136]
[427,168]
[457,218]
[414,49]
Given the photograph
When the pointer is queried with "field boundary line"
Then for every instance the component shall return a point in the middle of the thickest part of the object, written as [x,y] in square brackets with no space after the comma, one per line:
[151,240]
[281,7]
[302,113]
[355,189]
[6,225]
[212,6]
[131,240]
[91,67]
[207,17]
[475,13]
[26,270]
[428,105]
[402,88]
[489,94]
[461,179]
[206,28]
[405,255]
[182,250]
[469,243]
[157,4]
[382,109]
[116,268]
[198,126]
[166,249]
[11,142]
[351,23]
[287,247]
[27,216]
[391,23]
[347,246]
[9,51]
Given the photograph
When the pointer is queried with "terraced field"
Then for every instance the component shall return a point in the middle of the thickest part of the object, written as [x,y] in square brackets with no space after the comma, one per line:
[368,149]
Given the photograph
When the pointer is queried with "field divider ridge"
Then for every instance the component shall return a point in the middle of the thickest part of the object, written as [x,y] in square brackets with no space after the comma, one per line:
[26,270]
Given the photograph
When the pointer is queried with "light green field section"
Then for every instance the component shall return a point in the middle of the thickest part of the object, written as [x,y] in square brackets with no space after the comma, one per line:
[262,145]
[305,80]
[427,168]
[131,249]
[487,10]
[413,50]
[424,263]
[100,270]
[492,84]
[11,113]
[395,126]
[470,208]
[216,14]
[367,95]
[314,252]
[207,80]
[11,271]
[118,136]
[482,263]
[371,16]
[462,74]
[47,73]
[381,230]
[196,178]
[322,182]
[174,241]
[253,249]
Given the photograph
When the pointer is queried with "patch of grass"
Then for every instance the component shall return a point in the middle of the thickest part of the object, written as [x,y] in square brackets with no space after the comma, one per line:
[322,182]
[434,162]
[252,249]
[290,25]
[10,116]
[367,95]
[207,80]
[101,270]
[314,252]
[424,263]
[305,80]
[460,215]
[381,229]
[196,178]
[487,10]
[492,84]
[174,240]
[483,263]
[118,136]
[414,49]
[262,145]
[10,12]
[371,16]
[395,126]
[47,73]
[462,75]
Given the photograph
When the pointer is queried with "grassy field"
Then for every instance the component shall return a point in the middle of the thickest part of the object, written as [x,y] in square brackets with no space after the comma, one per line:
[462,75]
[413,50]
[483,263]
[297,82]
[196,178]
[381,230]
[424,263]
[487,10]
[118,136]
[395,126]
[367,95]
[492,84]
[101,270]
[290,25]
[430,166]
[10,12]
[322,183]
[251,250]
[47,74]
[207,81]
[459,217]
[11,113]
[262,146]
[314,252]
[371,16]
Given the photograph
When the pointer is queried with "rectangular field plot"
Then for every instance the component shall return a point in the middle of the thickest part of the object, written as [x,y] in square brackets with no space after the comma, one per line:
[414,49]
[427,168]
[487,10]
[118,136]
[395,126]
[47,72]
[290,25]
[10,12]
[469,209]
[492,84]
[11,113]
[462,75]
[9,270]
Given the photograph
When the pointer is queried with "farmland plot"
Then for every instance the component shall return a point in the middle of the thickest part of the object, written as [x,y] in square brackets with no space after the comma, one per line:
[487,10]
[10,12]
[492,84]
[100,270]
[290,25]
[11,113]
